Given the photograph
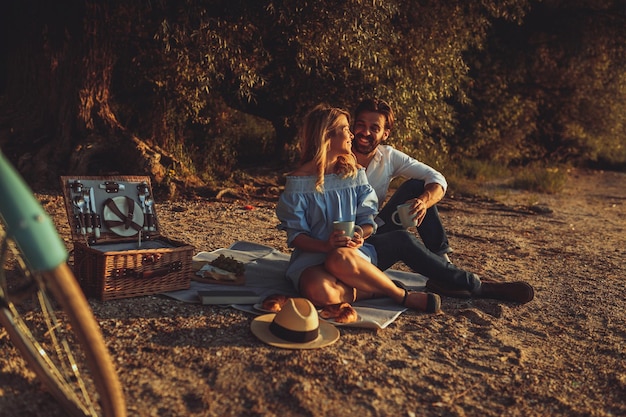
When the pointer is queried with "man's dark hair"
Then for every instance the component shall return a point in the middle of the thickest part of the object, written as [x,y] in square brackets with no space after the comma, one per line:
[377,106]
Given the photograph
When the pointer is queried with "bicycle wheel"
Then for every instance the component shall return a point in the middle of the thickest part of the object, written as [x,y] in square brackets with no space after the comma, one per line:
[49,321]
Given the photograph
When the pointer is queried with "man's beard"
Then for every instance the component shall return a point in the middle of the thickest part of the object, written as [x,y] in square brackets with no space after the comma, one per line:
[357,146]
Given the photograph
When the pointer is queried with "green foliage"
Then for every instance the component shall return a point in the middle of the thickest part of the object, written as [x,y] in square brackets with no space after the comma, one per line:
[479,177]
[480,170]
[469,176]
[552,89]
[276,59]
[540,179]
[225,83]
[236,139]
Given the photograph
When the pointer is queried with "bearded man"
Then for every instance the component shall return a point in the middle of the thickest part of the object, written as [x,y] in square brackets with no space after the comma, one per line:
[423,189]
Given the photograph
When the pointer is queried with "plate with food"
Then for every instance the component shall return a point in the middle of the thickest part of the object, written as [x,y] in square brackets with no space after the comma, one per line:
[223,270]
[272,303]
[339,314]
[259,307]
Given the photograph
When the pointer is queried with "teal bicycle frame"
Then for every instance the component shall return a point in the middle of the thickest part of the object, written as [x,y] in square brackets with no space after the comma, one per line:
[28,224]
[67,352]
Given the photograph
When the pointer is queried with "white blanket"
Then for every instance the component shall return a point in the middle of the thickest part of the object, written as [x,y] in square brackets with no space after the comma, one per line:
[265,275]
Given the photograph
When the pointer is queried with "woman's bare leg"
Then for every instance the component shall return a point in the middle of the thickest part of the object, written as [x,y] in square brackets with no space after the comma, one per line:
[323,289]
[355,271]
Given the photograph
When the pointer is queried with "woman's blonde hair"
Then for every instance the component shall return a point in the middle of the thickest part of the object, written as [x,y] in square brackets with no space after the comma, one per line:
[320,125]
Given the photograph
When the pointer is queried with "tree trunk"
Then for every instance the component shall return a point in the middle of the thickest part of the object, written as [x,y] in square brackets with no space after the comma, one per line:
[60,58]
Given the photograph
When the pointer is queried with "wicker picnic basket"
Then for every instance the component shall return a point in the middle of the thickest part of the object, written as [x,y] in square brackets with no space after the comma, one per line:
[118,249]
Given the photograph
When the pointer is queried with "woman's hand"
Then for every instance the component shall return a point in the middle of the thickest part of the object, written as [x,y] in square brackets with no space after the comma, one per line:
[358,239]
[338,239]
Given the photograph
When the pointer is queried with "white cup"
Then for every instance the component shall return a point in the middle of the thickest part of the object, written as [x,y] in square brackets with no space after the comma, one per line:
[347,226]
[402,217]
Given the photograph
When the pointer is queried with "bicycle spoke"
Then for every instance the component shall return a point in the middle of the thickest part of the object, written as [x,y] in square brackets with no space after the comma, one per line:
[44,311]
[34,316]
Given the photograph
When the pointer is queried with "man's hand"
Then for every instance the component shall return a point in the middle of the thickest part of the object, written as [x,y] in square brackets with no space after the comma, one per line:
[418,210]
[433,193]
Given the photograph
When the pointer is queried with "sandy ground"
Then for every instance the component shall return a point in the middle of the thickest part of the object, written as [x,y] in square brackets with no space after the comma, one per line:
[562,354]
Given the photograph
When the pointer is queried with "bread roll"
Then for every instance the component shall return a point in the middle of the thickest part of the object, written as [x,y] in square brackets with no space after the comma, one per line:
[274,302]
[341,313]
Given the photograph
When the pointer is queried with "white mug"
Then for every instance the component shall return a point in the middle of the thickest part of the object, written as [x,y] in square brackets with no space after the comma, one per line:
[406,219]
[347,226]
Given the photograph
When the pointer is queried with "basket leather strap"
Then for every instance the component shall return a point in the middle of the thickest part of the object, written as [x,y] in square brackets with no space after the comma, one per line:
[124,219]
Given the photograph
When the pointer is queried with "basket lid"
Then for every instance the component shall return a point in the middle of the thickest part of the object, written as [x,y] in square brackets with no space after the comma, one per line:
[110,209]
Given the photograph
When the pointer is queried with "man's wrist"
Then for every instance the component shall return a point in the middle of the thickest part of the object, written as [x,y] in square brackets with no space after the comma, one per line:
[426,198]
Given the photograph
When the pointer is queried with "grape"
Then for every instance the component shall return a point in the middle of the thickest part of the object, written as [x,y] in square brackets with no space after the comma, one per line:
[228,263]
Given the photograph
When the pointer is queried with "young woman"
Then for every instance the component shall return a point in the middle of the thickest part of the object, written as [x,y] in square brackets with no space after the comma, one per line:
[326,266]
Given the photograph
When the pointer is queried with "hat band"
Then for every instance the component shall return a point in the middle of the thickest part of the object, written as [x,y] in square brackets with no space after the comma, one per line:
[293,335]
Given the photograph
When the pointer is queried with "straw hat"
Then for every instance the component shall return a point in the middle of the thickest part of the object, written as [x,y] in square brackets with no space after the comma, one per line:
[295,326]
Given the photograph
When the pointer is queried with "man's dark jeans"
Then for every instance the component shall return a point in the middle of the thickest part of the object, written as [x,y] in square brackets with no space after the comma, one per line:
[404,246]
[394,244]
[431,230]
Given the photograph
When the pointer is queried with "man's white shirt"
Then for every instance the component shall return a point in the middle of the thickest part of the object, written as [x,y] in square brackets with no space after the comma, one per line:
[389,163]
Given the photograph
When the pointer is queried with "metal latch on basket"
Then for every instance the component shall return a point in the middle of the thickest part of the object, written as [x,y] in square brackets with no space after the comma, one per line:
[161,272]
[151,258]
[112,186]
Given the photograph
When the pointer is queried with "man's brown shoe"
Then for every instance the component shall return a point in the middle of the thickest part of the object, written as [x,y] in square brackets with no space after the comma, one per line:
[447,290]
[517,292]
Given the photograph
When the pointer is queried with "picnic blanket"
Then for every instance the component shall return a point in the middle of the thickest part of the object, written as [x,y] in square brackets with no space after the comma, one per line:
[265,275]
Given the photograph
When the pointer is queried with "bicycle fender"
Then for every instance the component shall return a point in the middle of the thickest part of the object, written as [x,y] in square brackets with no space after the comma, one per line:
[27,223]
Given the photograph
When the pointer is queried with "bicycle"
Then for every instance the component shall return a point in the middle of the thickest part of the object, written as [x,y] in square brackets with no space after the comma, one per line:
[44,311]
